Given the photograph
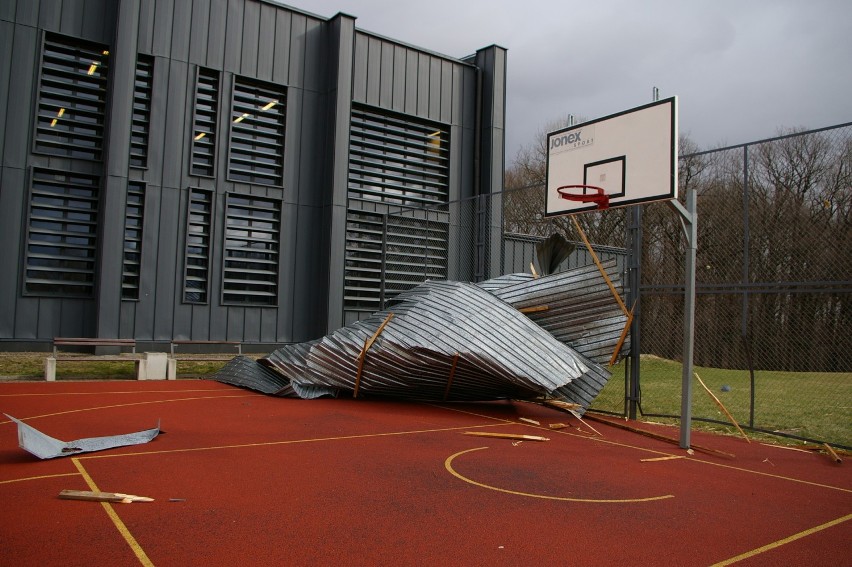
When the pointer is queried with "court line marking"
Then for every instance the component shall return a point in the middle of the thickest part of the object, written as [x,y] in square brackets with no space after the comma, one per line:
[448,464]
[502,422]
[113,515]
[685,459]
[285,442]
[35,394]
[113,406]
[785,541]
[38,477]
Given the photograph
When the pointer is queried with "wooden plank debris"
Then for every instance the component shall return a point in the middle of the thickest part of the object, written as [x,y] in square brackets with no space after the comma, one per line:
[600,267]
[102,496]
[534,309]
[572,409]
[667,458]
[367,344]
[450,379]
[623,336]
[835,457]
[559,404]
[507,436]
[558,425]
[528,420]
[653,435]
[722,407]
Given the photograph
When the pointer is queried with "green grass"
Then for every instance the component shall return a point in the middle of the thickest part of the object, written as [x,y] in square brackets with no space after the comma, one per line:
[815,405]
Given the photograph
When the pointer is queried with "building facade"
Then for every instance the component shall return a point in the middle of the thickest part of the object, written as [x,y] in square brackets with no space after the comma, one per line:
[227,169]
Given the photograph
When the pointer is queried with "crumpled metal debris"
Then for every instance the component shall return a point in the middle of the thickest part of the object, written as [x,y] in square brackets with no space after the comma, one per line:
[44,446]
[456,341]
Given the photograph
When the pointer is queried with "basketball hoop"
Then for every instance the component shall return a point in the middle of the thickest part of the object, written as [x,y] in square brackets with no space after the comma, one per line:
[598,197]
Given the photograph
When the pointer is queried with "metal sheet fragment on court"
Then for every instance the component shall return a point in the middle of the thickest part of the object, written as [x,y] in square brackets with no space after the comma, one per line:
[44,446]
[460,341]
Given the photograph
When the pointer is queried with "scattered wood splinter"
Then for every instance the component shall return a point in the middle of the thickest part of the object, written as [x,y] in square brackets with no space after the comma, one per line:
[667,458]
[528,420]
[507,436]
[558,425]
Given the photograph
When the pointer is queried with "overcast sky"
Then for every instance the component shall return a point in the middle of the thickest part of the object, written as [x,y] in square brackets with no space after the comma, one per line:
[742,70]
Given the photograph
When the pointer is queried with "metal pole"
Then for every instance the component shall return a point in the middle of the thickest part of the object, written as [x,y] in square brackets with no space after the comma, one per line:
[690,226]
[745,279]
[635,279]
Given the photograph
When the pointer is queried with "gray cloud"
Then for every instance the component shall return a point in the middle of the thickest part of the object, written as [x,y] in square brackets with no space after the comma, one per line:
[742,70]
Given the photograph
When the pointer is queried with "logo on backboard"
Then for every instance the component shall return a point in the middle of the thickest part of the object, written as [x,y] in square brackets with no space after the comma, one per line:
[572,140]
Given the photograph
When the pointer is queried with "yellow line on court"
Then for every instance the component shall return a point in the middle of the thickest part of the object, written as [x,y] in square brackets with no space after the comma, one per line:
[286,442]
[132,404]
[122,529]
[685,459]
[118,392]
[448,464]
[770,475]
[38,477]
[558,431]
[785,541]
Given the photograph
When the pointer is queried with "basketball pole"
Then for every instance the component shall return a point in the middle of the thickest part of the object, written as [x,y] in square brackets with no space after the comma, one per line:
[689,221]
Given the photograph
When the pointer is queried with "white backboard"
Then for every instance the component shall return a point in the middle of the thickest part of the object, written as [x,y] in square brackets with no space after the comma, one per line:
[632,155]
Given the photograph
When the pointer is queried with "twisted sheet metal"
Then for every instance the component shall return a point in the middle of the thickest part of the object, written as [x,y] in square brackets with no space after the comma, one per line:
[440,330]
[458,341]
[581,311]
[44,446]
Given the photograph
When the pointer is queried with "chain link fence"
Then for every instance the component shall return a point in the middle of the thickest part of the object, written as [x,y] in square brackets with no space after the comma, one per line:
[774,282]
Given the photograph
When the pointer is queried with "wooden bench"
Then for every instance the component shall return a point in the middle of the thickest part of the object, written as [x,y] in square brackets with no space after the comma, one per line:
[200,357]
[59,356]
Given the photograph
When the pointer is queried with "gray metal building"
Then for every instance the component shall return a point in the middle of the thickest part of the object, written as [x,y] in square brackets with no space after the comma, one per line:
[219,169]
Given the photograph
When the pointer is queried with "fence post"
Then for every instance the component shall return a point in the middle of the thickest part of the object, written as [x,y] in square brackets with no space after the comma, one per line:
[635,278]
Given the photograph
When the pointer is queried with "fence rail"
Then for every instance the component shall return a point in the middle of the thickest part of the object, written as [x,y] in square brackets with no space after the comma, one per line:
[774,283]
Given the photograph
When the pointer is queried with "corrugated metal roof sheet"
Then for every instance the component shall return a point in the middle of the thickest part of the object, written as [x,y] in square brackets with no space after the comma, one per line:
[459,341]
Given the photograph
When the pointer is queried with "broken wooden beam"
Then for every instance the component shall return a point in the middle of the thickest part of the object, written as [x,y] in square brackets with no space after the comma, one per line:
[835,457]
[722,407]
[653,435]
[534,309]
[450,379]
[367,344]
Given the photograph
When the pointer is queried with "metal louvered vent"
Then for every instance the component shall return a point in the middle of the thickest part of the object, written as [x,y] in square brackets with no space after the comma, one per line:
[388,254]
[133,223]
[257,133]
[72,99]
[204,128]
[396,159]
[197,255]
[251,251]
[403,163]
[62,234]
[141,120]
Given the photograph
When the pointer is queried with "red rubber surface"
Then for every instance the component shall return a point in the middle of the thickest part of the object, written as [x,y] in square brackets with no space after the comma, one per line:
[267,481]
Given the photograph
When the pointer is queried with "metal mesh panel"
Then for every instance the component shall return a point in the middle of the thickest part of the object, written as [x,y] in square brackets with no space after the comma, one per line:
[774,284]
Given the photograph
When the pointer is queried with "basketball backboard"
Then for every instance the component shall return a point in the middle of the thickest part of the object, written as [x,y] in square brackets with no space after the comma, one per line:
[631,155]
